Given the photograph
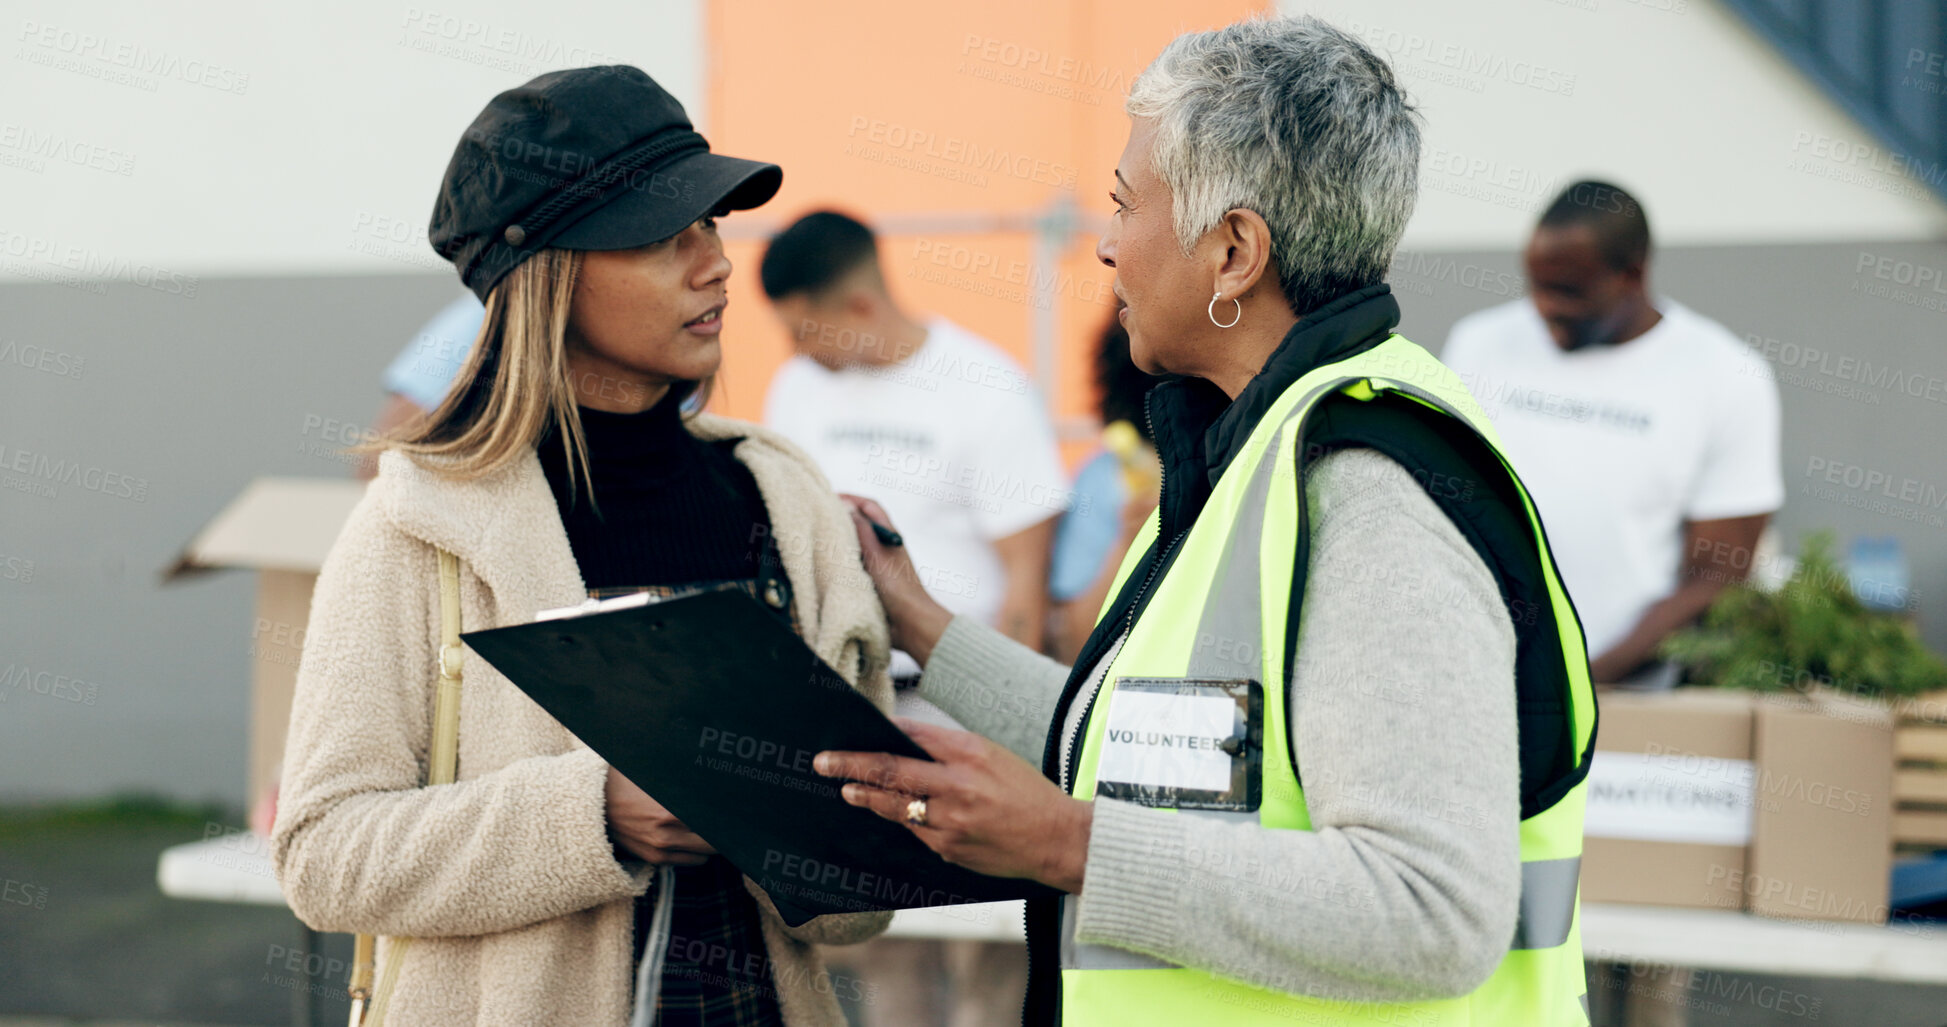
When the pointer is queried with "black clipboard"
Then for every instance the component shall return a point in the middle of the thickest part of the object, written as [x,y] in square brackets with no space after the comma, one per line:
[715,707]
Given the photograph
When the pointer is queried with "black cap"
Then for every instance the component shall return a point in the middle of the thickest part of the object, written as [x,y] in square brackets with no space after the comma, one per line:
[596,158]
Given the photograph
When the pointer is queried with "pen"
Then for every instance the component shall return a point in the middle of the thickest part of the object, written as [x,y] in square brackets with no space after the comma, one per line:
[887,536]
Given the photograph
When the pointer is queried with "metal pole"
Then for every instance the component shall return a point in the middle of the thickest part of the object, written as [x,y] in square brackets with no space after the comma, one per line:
[1052,231]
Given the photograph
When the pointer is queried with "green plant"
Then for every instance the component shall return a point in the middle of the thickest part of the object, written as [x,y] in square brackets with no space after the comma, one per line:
[1811,632]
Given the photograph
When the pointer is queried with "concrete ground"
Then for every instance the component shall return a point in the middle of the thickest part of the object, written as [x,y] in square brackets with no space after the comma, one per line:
[87,940]
[85,935]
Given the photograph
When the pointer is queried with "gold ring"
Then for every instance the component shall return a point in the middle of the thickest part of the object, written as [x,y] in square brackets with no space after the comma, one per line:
[916,813]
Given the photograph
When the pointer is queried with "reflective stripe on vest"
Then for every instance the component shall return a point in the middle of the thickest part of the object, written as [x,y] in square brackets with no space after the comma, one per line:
[1225,568]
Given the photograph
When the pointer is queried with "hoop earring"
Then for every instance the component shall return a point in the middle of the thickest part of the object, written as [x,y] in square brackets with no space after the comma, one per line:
[1212,311]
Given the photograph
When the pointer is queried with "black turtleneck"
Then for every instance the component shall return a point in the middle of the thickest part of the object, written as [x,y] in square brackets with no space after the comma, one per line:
[1199,430]
[673,508]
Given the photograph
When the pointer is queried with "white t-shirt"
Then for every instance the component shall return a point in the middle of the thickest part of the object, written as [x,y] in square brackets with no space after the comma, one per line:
[954,442]
[1619,445]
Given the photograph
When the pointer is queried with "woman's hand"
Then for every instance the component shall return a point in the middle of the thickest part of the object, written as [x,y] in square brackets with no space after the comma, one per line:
[986,808]
[916,619]
[643,827]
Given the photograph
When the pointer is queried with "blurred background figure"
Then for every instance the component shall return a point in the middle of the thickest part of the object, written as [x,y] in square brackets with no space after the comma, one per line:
[420,376]
[1648,433]
[1115,492]
[943,429]
[938,425]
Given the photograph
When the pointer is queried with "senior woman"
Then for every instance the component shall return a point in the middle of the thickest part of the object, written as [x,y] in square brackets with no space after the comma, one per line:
[1321,759]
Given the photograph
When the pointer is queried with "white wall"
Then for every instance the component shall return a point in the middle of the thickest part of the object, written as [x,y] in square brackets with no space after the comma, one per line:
[273,138]
[1722,140]
[288,138]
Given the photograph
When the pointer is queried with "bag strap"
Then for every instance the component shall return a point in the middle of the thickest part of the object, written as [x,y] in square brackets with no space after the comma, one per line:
[442,763]
[444,759]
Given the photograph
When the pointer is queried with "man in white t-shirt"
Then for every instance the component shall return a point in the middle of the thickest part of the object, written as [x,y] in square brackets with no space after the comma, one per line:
[939,426]
[1647,433]
[946,432]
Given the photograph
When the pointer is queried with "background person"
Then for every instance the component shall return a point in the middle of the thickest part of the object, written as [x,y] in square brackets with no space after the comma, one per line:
[542,887]
[419,377]
[943,428]
[1648,433]
[1115,492]
[939,425]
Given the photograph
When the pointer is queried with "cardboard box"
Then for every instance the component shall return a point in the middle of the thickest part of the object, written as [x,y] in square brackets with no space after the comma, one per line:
[1728,800]
[282,528]
[1821,841]
[1669,812]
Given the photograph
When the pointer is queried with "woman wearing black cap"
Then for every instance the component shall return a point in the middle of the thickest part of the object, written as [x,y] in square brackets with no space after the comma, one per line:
[541,887]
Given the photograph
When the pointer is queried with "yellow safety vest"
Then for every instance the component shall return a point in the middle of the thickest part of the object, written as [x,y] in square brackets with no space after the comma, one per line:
[1210,616]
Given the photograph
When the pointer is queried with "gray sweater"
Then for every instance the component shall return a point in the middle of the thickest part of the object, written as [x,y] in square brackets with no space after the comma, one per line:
[1403,713]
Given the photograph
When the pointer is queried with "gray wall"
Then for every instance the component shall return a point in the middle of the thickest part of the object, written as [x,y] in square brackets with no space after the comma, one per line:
[192,396]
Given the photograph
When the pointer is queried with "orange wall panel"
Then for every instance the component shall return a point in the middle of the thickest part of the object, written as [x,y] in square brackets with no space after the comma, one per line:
[951,128]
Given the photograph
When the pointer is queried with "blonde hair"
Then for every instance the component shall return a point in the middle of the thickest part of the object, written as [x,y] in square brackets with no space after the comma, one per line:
[515,383]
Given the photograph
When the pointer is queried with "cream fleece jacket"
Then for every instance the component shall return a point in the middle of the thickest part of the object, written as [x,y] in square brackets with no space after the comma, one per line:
[506,879]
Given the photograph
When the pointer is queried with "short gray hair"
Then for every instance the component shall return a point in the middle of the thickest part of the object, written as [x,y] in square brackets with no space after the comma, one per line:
[1298,121]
